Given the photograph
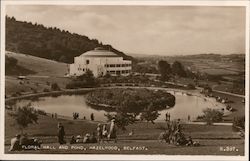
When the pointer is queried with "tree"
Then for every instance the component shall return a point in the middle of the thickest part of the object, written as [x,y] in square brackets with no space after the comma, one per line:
[55,87]
[164,69]
[122,119]
[212,115]
[178,69]
[62,59]
[50,43]
[24,116]
[150,114]
[88,78]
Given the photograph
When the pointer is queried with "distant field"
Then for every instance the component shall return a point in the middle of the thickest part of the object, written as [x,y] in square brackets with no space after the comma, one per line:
[42,67]
[216,68]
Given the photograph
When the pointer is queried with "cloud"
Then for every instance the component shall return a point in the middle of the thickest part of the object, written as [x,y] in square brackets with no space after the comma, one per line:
[147,29]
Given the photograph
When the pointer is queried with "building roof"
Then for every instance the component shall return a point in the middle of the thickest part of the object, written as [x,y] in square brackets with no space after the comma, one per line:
[99,52]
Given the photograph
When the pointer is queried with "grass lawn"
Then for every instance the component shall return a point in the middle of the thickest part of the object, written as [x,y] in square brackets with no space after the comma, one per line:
[145,134]
[13,85]
[47,128]
[47,71]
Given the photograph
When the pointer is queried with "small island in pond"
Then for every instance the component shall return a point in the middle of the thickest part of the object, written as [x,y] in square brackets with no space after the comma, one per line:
[134,100]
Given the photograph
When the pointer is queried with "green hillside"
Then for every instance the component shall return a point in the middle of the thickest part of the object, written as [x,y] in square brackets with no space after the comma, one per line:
[49,42]
[40,73]
[38,66]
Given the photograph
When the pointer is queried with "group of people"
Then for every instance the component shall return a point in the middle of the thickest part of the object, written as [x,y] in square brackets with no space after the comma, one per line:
[167,115]
[102,133]
[86,139]
[54,115]
[75,115]
[173,135]
[22,142]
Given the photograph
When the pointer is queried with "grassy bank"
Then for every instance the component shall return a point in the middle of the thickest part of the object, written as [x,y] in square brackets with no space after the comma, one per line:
[211,138]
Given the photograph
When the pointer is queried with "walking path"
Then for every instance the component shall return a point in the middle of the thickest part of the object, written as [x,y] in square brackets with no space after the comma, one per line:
[228,93]
[180,84]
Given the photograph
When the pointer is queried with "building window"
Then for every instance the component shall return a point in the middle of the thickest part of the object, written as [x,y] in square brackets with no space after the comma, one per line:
[87,61]
[83,69]
[118,65]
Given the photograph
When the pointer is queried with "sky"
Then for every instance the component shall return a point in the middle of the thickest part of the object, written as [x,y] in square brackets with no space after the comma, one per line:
[161,30]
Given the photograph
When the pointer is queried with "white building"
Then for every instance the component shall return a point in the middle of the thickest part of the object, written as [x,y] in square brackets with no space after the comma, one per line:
[100,62]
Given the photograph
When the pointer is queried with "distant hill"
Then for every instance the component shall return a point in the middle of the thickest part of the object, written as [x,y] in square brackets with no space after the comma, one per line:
[49,42]
[12,67]
[26,64]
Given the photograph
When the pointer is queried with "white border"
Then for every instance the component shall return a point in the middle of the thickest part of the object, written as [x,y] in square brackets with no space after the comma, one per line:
[120,157]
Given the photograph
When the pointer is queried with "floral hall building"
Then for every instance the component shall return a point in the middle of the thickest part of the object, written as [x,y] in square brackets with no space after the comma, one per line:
[101,62]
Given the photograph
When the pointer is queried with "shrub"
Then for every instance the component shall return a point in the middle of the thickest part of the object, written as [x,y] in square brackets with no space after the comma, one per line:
[45,90]
[239,123]
[41,112]
[149,114]
[34,91]
[212,115]
[14,95]
[24,116]
[48,83]
[18,93]
[55,87]
[190,86]
[78,84]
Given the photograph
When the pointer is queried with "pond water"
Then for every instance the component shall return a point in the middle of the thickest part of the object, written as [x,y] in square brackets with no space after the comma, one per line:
[67,104]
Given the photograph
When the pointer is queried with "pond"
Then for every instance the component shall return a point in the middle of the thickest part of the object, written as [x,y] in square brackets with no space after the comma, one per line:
[67,104]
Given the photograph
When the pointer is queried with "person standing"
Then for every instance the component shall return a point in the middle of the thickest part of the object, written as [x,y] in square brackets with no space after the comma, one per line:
[99,133]
[61,134]
[92,117]
[112,131]
[104,131]
[15,143]
[168,116]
